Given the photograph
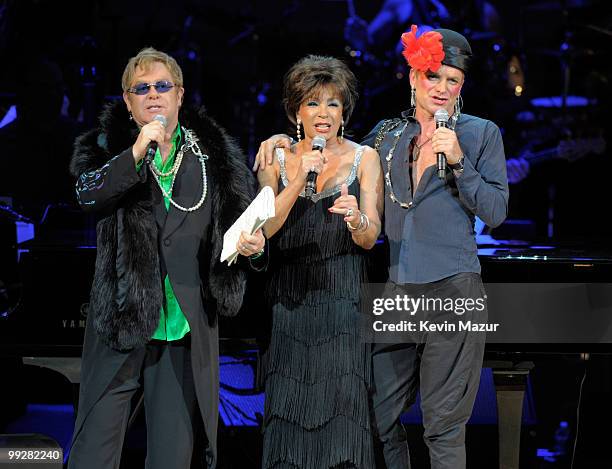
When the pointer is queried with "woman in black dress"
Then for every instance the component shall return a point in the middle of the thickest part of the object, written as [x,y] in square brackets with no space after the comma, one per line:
[317,367]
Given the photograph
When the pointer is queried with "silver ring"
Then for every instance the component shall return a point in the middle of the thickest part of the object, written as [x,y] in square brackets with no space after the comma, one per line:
[349,212]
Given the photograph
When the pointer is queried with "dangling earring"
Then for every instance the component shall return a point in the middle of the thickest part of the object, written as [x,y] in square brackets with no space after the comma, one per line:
[457,110]
[458,105]
[412,97]
[131,117]
[342,133]
[299,135]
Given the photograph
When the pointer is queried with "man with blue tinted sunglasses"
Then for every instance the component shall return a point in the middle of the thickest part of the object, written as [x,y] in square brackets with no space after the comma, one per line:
[166,184]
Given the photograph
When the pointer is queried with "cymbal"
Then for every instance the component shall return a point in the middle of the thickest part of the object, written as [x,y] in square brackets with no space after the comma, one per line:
[598,29]
[557,5]
[481,35]
[570,52]
[557,101]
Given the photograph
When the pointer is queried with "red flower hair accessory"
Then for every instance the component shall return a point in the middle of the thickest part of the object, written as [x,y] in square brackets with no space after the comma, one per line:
[424,52]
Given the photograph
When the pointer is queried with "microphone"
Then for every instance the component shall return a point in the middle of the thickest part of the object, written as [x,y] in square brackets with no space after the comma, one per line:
[318,143]
[441,117]
[152,148]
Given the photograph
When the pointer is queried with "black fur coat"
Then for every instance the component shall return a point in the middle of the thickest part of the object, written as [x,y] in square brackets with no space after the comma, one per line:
[127,294]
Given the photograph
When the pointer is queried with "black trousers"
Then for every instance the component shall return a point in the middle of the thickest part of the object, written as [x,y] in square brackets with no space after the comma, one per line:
[170,410]
[447,374]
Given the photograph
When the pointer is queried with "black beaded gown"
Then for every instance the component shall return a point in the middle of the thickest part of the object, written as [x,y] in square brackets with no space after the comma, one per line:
[317,369]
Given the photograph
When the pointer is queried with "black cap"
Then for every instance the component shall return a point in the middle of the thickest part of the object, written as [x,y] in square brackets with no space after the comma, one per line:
[457,50]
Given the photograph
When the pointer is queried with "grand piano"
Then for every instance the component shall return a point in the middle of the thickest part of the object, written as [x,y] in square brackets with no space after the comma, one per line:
[46,312]
[515,261]
[46,322]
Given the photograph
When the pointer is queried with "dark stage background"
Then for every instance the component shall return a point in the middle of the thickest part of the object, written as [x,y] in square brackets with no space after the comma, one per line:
[235,53]
[61,61]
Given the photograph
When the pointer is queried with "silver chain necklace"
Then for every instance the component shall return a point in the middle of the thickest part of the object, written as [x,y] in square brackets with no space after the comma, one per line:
[191,143]
[397,134]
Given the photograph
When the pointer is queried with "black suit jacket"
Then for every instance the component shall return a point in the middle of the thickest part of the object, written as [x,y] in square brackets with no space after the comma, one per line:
[138,241]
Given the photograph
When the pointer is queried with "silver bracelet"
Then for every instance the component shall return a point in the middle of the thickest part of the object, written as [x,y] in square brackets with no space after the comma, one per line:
[363,221]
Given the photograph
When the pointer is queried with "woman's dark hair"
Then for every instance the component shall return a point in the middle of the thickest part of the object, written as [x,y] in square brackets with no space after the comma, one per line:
[304,79]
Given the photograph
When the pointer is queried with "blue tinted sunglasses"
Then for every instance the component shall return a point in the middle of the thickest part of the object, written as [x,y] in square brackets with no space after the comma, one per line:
[162,86]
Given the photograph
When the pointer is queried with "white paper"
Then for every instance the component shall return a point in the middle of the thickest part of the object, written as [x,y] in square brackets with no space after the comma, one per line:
[253,218]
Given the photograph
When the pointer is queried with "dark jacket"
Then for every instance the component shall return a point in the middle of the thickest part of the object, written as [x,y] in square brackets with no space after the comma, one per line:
[139,241]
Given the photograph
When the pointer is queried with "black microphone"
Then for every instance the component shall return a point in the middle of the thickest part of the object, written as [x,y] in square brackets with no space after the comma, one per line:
[441,117]
[318,143]
[152,148]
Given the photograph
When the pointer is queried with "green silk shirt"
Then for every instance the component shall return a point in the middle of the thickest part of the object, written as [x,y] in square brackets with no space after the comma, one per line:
[172,322]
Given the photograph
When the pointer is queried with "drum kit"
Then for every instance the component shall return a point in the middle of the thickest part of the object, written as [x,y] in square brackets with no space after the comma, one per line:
[510,70]
[567,67]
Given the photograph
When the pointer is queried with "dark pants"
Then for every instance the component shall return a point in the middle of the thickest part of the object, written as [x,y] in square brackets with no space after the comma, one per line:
[447,374]
[170,410]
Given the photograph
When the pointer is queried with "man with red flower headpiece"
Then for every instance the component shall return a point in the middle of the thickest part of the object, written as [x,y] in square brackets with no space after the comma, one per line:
[429,223]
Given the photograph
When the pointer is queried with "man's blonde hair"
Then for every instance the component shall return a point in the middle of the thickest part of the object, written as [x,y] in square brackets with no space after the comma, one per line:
[144,59]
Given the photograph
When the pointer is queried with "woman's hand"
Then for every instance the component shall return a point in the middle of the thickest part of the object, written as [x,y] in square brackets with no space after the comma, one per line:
[311,161]
[347,206]
[250,244]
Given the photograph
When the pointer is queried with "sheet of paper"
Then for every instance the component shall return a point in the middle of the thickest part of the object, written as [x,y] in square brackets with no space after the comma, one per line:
[253,218]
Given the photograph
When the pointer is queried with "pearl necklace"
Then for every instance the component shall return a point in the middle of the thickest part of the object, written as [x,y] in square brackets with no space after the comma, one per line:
[173,170]
[190,144]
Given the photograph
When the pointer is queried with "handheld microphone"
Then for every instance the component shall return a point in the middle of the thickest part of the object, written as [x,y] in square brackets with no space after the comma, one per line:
[318,143]
[152,148]
[441,117]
